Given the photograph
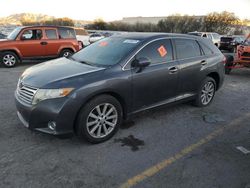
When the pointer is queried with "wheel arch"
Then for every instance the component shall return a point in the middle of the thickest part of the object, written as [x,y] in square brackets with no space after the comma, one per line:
[216,77]
[118,97]
[66,48]
[14,51]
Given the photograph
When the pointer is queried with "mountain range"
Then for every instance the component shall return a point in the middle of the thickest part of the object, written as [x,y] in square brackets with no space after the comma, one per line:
[15,19]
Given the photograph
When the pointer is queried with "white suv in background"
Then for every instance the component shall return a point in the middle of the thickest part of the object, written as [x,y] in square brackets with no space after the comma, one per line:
[215,37]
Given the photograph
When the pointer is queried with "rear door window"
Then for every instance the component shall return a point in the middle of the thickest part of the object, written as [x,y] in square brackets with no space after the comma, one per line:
[51,33]
[157,52]
[187,48]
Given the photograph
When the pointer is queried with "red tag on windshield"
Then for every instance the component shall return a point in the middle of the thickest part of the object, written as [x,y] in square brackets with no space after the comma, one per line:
[162,51]
[102,44]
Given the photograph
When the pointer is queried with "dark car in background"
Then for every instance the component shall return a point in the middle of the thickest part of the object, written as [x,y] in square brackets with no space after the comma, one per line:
[93,91]
[230,43]
[2,36]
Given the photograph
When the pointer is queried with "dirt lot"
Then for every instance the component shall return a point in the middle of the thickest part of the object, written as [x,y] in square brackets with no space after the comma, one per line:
[177,146]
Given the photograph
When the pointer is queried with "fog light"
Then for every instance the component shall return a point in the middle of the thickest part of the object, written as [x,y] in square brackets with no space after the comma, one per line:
[52,125]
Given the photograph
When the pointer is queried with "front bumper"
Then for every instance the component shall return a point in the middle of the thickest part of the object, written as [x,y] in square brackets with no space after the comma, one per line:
[62,111]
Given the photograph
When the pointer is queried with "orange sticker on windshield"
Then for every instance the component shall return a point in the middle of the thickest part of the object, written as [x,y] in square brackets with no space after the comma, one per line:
[162,51]
[104,43]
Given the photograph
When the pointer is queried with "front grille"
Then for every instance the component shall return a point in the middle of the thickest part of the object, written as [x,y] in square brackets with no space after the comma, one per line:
[246,54]
[26,93]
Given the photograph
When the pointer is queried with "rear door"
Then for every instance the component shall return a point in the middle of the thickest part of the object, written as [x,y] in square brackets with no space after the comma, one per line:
[51,42]
[191,65]
[29,43]
[158,82]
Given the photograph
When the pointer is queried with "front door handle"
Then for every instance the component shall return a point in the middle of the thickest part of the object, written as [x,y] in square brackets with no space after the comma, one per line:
[203,62]
[43,43]
[173,70]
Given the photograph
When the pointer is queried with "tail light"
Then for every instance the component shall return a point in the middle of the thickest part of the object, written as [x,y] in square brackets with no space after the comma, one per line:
[224,61]
[80,45]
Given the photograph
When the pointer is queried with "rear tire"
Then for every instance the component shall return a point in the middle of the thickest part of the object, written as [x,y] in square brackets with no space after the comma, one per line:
[206,93]
[66,53]
[9,59]
[229,64]
[99,119]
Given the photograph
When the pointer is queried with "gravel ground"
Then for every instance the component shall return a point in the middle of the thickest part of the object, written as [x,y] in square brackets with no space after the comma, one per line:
[31,159]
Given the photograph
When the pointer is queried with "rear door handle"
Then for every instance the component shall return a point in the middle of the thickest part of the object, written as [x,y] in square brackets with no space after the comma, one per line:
[203,62]
[173,70]
[43,43]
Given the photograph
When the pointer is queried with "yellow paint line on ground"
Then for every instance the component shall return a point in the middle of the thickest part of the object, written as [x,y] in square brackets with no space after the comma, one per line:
[165,163]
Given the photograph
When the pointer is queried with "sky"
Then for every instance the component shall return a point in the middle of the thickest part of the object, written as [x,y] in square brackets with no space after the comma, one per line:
[111,10]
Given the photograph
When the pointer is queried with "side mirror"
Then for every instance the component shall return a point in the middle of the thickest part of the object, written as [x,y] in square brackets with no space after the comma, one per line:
[22,38]
[141,62]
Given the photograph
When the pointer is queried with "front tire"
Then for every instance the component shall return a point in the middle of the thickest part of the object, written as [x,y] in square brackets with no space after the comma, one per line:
[99,119]
[9,59]
[206,93]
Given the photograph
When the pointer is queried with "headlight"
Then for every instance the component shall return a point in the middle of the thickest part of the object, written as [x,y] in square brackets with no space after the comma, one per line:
[43,94]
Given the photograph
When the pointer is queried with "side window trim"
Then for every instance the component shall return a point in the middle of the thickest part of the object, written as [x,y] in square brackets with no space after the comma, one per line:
[202,53]
[131,58]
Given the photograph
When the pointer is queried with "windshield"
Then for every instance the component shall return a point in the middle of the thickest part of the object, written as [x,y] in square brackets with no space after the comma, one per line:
[216,36]
[14,33]
[108,51]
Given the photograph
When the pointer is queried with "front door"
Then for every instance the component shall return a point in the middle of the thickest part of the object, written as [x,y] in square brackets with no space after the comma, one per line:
[30,43]
[158,82]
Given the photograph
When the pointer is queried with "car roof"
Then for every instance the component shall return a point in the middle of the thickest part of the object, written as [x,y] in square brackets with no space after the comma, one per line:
[50,26]
[151,36]
[203,32]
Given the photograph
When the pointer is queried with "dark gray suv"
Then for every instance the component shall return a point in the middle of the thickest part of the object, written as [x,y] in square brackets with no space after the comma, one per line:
[93,91]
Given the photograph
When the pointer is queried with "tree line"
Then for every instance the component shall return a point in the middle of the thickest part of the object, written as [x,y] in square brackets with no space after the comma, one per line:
[221,23]
[57,21]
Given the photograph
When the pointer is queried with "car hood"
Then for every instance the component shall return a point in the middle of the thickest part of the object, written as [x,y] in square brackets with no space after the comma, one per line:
[54,71]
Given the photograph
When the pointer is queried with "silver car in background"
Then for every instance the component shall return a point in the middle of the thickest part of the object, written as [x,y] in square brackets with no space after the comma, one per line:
[95,37]
[215,37]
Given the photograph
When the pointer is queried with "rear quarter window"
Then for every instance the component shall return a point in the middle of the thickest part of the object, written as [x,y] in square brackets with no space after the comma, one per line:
[206,50]
[66,33]
[187,48]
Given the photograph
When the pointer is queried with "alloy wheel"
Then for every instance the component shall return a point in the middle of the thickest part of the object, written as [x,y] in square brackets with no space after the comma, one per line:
[207,93]
[9,60]
[67,54]
[102,120]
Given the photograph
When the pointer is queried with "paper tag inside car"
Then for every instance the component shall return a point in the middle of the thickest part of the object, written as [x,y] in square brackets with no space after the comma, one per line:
[130,41]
